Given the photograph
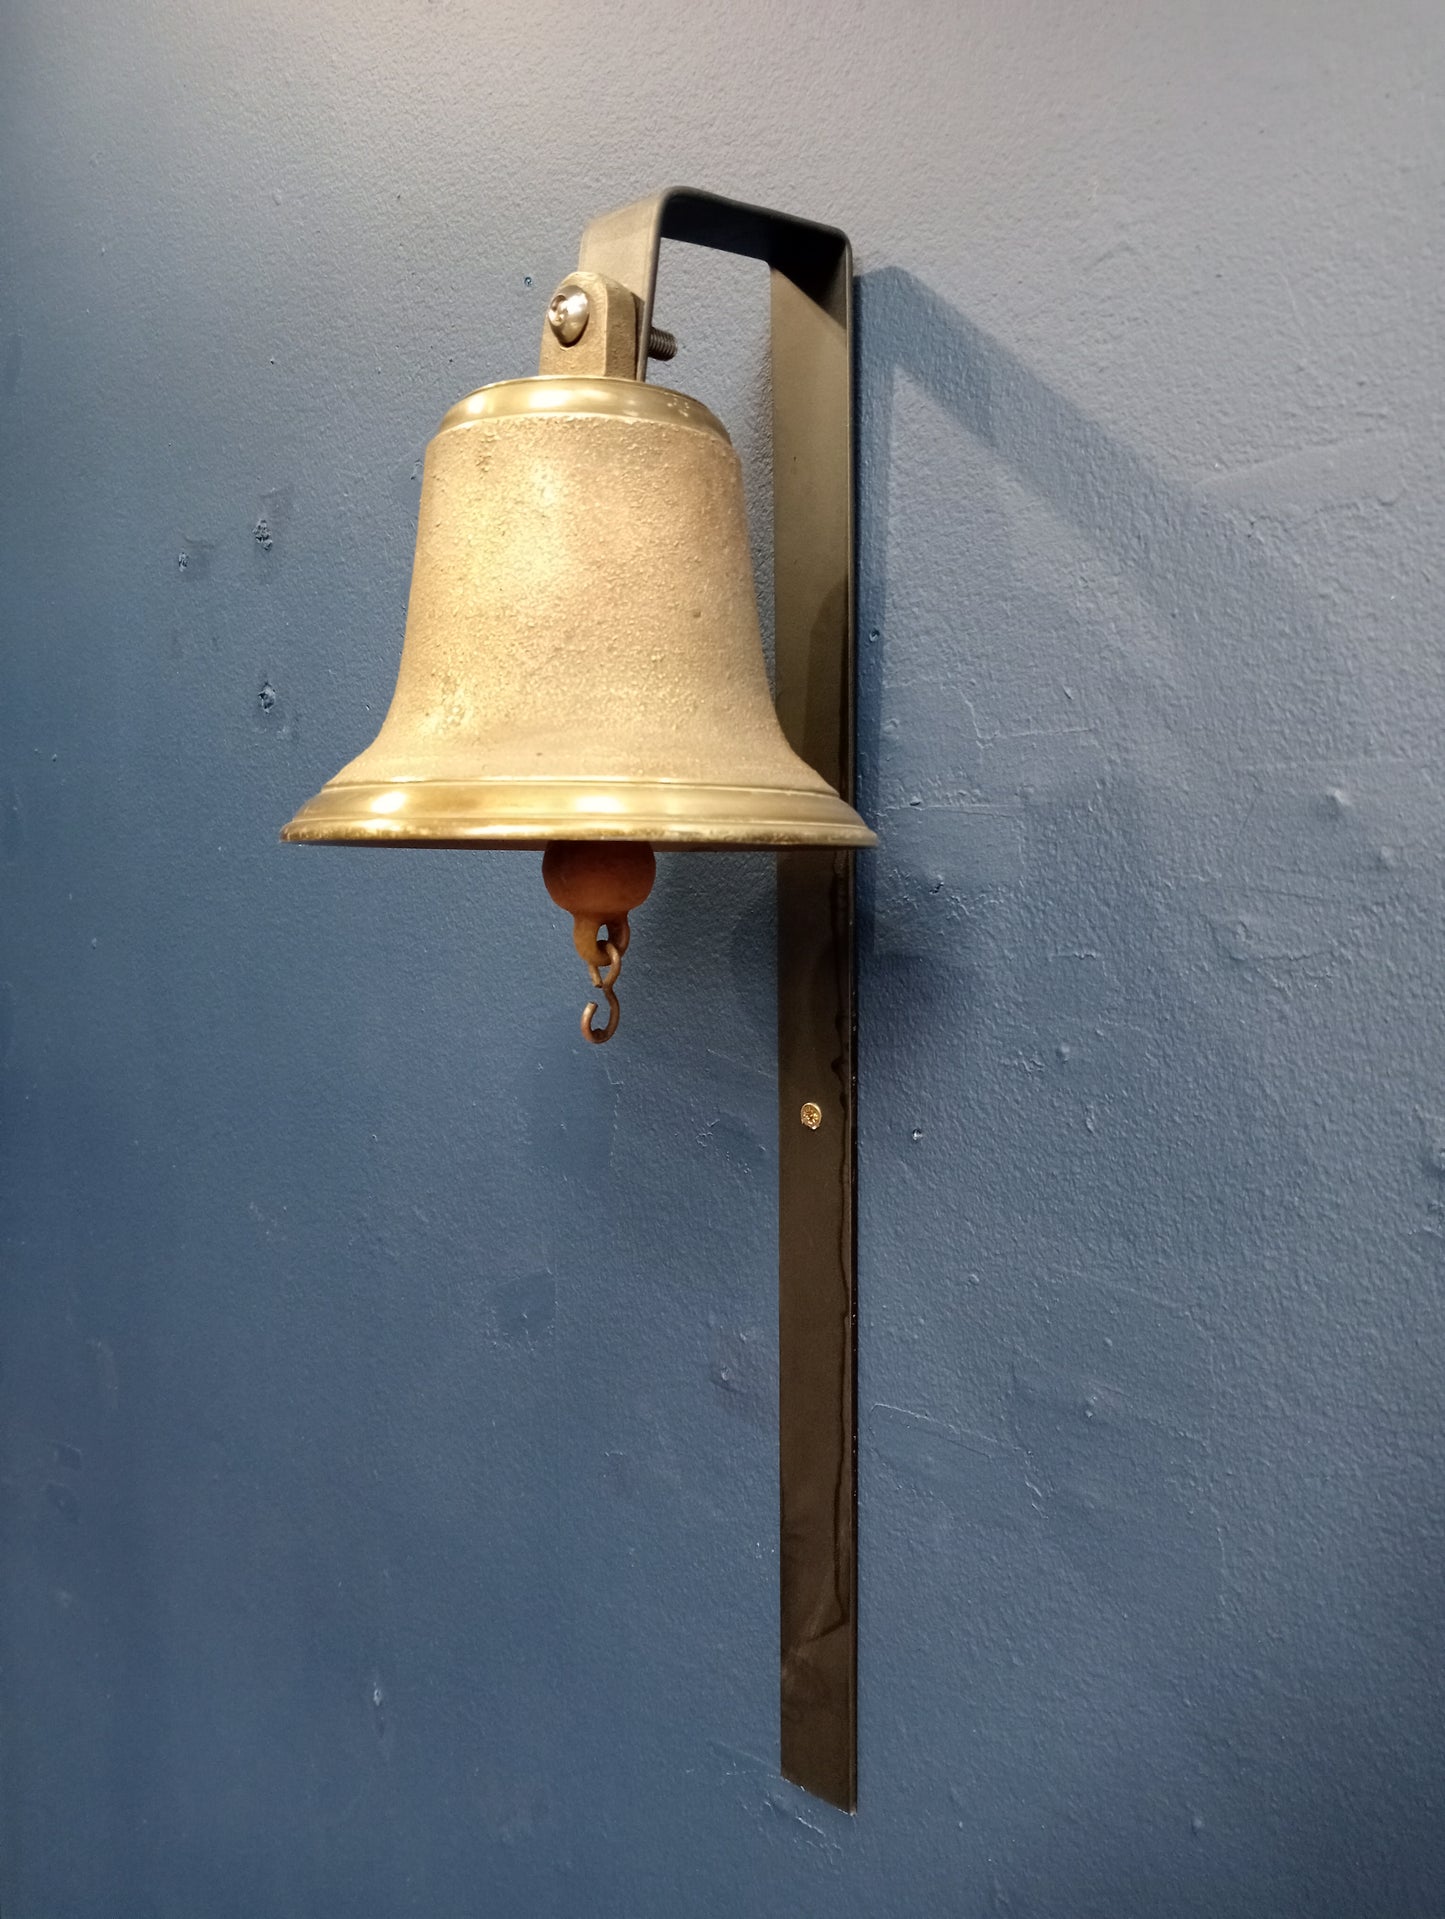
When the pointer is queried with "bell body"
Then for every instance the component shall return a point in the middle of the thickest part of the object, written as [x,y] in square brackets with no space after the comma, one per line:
[582,656]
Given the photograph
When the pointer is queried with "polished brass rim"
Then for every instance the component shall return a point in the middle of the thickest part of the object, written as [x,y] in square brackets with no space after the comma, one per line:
[530,812]
[555,395]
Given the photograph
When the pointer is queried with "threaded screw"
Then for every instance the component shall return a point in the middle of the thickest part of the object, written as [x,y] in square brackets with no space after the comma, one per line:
[661,345]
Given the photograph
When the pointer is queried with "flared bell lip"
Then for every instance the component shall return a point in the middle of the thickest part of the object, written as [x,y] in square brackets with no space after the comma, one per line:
[532,812]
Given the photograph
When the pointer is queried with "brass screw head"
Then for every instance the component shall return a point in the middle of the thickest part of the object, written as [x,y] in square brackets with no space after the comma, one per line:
[811,1115]
[568,312]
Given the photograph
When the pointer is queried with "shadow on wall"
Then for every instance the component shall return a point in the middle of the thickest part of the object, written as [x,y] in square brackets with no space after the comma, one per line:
[1194,693]
[1156,837]
[1091,906]
[1225,598]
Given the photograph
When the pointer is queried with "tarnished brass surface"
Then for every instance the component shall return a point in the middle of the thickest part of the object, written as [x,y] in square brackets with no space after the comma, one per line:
[531,812]
[582,656]
[591,327]
[594,396]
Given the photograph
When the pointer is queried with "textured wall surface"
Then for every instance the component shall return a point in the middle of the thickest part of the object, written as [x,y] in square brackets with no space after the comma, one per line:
[388,1483]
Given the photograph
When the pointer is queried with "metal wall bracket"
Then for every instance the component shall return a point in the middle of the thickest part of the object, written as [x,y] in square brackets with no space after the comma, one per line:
[812,377]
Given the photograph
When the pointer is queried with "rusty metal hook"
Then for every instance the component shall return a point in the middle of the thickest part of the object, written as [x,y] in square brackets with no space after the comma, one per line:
[605,978]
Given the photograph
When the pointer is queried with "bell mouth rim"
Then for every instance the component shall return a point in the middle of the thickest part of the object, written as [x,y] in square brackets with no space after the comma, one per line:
[531,812]
[546,396]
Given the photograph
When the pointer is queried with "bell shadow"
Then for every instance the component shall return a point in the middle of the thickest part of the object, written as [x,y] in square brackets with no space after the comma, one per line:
[1226,623]
[1193,1173]
[1195,564]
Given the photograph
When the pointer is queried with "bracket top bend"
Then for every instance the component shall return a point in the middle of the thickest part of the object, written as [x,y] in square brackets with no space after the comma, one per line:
[624,245]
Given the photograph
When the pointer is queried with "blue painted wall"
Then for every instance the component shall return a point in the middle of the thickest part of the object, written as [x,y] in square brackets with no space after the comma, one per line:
[388,1407]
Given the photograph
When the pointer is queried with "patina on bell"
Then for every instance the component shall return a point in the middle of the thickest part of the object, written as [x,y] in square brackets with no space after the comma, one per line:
[582,668]
[582,657]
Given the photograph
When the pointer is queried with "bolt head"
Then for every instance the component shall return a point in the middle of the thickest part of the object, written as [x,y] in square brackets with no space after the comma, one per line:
[568,313]
[811,1115]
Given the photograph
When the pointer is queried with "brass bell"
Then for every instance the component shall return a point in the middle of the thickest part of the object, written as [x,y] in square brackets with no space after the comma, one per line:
[582,660]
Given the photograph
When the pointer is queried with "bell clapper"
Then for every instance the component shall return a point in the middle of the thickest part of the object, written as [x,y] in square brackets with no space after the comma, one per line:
[599,882]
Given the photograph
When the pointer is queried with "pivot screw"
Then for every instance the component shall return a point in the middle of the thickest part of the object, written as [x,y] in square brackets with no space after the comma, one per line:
[811,1115]
[568,312]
